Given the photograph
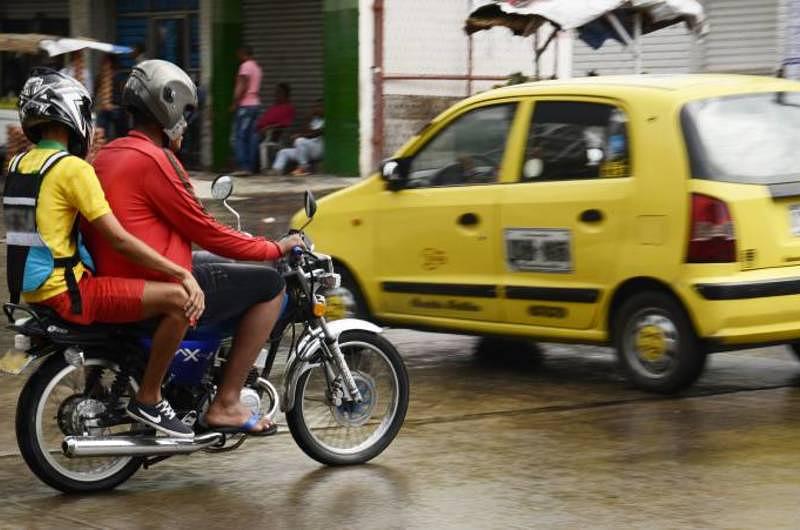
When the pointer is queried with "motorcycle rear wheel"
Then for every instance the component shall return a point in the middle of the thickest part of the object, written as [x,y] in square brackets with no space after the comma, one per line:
[352,434]
[39,429]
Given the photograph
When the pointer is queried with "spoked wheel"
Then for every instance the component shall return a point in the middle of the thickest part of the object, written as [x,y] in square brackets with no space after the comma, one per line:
[61,400]
[352,433]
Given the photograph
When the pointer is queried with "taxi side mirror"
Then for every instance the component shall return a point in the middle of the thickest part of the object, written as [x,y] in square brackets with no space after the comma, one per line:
[395,172]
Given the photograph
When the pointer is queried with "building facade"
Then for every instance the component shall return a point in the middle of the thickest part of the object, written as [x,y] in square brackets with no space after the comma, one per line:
[382,67]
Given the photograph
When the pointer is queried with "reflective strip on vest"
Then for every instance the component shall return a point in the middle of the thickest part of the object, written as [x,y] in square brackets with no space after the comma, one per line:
[51,161]
[12,167]
[19,201]
[24,239]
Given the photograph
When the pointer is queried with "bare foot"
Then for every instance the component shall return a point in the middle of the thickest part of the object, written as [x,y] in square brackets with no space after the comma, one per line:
[235,416]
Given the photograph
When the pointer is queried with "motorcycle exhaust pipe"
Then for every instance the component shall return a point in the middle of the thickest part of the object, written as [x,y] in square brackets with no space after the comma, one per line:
[78,446]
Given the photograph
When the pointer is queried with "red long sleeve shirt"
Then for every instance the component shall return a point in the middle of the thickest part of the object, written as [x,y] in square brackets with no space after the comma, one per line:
[154,200]
[278,115]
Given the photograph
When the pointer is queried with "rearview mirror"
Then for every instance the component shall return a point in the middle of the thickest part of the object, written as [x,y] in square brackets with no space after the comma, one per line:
[310,204]
[222,187]
[395,172]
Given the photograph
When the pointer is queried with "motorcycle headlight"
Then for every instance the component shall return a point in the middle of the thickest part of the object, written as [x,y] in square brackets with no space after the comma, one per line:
[329,281]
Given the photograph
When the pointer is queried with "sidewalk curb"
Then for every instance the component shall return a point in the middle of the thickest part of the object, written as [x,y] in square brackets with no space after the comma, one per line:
[263,186]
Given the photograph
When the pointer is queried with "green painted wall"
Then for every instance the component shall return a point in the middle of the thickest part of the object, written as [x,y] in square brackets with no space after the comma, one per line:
[226,37]
[341,87]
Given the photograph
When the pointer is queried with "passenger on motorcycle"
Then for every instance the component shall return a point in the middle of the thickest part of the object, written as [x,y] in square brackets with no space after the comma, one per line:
[150,192]
[45,190]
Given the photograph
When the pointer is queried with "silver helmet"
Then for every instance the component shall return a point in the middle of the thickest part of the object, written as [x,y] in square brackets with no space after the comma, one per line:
[50,96]
[163,91]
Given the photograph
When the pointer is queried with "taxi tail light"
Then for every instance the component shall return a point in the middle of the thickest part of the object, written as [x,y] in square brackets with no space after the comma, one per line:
[712,238]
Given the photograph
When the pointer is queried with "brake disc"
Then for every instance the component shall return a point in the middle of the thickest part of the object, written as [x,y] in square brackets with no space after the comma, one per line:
[75,410]
[351,414]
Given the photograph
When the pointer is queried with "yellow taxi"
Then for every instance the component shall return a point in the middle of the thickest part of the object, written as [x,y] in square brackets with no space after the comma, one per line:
[659,214]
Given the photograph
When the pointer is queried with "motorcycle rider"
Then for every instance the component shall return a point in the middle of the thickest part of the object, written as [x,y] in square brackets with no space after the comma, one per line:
[150,192]
[45,190]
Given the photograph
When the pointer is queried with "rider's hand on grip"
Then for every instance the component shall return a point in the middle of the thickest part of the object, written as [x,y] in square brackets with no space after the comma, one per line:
[290,242]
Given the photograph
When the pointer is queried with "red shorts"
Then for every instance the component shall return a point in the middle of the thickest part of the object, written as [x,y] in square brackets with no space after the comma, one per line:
[104,299]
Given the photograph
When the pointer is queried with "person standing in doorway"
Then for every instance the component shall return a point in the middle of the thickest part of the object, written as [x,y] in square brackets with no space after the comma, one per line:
[247,106]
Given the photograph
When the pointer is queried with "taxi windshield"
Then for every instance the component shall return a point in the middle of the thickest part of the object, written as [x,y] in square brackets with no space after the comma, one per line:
[748,139]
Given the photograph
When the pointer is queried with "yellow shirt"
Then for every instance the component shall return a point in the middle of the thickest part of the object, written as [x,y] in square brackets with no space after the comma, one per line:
[70,187]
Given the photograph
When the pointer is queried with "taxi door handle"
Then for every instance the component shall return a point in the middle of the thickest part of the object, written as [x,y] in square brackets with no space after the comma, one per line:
[469,219]
[591,216]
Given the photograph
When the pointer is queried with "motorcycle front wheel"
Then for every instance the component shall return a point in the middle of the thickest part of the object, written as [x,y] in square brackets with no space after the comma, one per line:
[352,433]
[61,400]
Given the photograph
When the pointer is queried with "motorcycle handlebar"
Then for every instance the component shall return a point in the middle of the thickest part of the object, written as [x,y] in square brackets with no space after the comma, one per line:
[296,254]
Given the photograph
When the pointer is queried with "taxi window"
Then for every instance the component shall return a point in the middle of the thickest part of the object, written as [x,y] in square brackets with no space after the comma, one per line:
[746,139]
[468,151]
[571,140]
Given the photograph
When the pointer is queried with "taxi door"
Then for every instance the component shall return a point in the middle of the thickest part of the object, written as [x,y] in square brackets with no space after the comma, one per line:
[437,253]
[562,219]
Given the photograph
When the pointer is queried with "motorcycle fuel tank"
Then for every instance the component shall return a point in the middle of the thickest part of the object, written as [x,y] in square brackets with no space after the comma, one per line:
[192,358]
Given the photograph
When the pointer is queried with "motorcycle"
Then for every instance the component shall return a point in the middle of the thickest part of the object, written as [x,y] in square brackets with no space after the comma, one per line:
[344,391]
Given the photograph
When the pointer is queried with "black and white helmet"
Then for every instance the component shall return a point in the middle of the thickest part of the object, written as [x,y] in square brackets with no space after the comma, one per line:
[163,91]
[50,96]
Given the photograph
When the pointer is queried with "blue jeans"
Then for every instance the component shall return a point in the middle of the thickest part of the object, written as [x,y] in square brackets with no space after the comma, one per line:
[245,138]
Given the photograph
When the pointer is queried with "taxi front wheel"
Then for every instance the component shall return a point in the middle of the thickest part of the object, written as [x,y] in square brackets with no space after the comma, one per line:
[347,301]
[657,346]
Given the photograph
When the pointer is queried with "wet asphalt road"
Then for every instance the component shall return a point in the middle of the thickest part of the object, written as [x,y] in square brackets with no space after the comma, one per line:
[504,439]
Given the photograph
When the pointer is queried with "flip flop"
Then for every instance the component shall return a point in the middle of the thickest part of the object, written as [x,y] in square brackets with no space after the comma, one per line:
[246,427]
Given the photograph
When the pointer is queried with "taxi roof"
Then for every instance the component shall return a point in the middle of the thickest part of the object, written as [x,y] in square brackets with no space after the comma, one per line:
[674,86]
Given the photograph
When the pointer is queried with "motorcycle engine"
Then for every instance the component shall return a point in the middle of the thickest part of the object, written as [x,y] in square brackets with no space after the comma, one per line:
[250,399]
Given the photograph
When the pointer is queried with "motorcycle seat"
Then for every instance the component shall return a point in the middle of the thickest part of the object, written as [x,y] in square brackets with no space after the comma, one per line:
[45,322]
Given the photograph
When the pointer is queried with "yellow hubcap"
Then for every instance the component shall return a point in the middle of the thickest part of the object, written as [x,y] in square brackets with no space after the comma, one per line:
[651,343]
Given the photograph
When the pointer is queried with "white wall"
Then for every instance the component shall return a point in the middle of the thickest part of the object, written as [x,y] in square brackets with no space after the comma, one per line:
[424,37]
[427,37]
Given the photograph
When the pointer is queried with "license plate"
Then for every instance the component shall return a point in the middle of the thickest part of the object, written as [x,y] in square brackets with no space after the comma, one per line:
[794,219]
[14,362]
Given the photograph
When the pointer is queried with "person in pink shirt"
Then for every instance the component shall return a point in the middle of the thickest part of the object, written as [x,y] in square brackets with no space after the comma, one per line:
[247,106]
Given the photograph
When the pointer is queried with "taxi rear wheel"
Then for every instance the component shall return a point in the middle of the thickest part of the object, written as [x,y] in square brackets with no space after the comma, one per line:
[656,344]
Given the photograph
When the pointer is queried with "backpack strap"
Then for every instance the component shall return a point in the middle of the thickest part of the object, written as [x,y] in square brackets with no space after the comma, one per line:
[69,263]
[12,166]
[51,161]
